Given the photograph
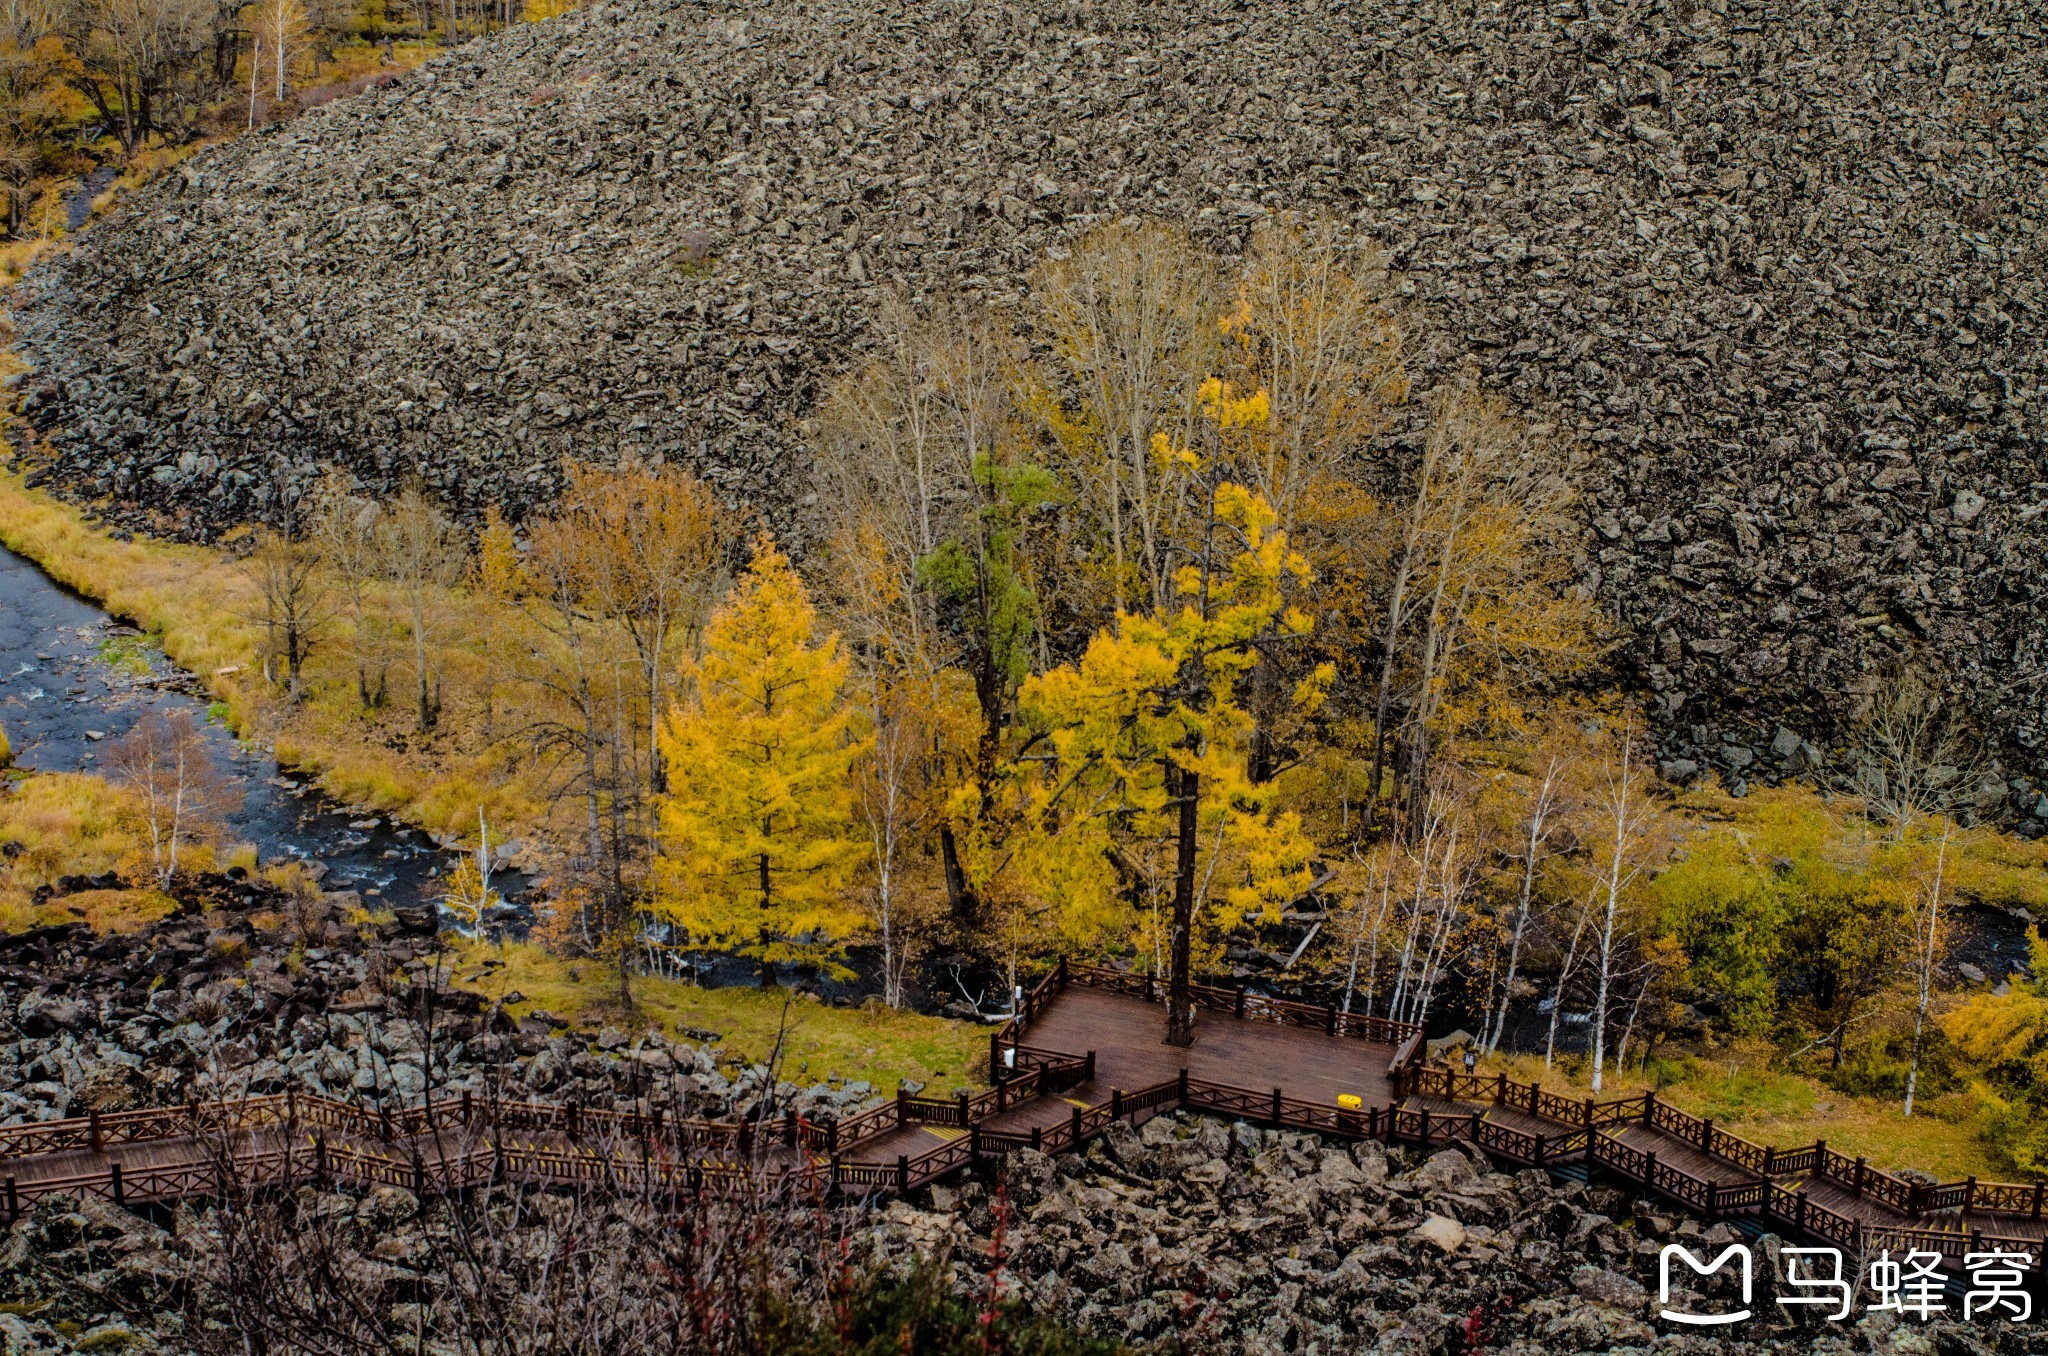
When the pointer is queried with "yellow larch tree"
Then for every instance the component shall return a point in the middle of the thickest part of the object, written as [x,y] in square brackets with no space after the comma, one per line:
[758,846]
[1149,782]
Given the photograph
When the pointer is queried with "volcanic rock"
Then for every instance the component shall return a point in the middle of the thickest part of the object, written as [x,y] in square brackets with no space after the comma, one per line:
[1775,265]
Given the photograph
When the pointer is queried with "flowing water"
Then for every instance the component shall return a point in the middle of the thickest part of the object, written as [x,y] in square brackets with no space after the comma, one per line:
[73,679]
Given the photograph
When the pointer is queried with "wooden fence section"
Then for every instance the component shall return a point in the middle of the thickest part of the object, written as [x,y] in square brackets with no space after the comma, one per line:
[1036,1102]
[1812,1160]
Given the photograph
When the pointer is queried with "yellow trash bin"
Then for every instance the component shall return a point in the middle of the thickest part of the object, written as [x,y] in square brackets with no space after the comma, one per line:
[1350,1101]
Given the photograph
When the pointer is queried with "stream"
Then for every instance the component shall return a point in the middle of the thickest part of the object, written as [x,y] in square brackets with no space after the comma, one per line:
[73,679]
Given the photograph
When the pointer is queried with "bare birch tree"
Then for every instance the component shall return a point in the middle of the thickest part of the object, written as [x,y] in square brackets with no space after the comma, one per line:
[1312,327]
[422,556]
[1628,843]
[347,533]
[286,570]
[1131,316]
[164,761]
[1540,809]
[1917,757]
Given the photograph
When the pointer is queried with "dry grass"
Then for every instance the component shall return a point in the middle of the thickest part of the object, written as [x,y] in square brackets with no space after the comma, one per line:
[819,1042]
[71,824]
[202,607]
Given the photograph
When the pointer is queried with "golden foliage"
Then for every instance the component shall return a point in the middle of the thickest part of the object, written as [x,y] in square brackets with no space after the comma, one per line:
[756,834]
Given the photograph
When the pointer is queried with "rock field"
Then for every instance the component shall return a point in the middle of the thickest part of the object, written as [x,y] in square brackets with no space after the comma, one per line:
[1197,1235]
[1777,266]
[205,1005]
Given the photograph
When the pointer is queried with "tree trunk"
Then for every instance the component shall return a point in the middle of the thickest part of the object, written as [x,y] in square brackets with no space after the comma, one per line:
[958,896]
[1180,1014]
[768,977]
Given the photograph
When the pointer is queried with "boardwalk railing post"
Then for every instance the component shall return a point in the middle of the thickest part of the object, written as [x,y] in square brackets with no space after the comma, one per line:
[1969,1195]
[1650,1170]
[2039,1189]
[1587,1114]
[995,1059]
[835,1174]
[1649,1107]
[1770,1158]
[1183,1094]
[1276,1106]
[1090,1068]
[13,1202]
[1037,1139]
[1002,1097]
[1707,1135]
[1859,1175]
[92,1129]
[1500,1090]
[960,1101]
[468,1110]
[1713,1200]
[1820,1158]
[1542,1149]
[902,1107]
[1240,1001]
[1075,1140]
[1330,1019]
[114,1180]
[903,1174]
[1425,1129]
[1803,1206]
[1116,1104]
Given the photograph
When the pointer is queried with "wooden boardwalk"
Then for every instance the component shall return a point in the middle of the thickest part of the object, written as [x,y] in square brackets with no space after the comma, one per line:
[1809,1190]
[1085,1050]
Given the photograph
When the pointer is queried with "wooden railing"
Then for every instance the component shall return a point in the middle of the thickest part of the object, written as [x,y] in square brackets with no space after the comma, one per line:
[274,1138]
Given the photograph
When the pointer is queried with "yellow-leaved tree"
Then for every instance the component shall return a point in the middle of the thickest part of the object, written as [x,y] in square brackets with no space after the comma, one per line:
[757,839]
[1148,796]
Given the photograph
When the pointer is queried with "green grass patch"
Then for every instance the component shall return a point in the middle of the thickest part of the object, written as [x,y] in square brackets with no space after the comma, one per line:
[131,655]
[1944,1136]
[819,1042]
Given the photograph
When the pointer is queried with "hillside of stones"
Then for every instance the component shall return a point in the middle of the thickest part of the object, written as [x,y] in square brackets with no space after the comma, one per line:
[1776,267]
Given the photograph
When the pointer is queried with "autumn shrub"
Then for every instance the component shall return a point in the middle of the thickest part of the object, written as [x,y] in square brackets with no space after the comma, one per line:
[921,1310]
[1877,1066]
[2003,1040]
